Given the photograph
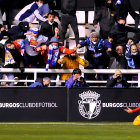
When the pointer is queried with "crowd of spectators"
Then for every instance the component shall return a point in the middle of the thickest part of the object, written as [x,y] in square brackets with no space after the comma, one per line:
[42,46]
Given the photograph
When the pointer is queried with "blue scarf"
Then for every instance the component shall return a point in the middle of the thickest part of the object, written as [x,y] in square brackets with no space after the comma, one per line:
[130,61]
[55,57]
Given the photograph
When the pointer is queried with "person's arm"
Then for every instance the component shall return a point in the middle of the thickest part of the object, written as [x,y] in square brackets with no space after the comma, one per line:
[110,82]
[67,51]
[129,110]
[62,60]
[135,30]
[69,83]
[38,16]
[97,18]
[83,62]
[83,43]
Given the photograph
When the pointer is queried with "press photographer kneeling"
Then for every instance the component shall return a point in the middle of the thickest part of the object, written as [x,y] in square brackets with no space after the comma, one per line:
[117,80]
[76,80]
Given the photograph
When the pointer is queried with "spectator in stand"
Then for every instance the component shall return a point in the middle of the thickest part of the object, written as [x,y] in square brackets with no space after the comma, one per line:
[122,7]
[6,7]
[133,59]
[33,40]
[71,61]
[18,31]
[3,32]
[49,28]
[106,16]
[41,82]
[96,54]
[68,10]
[117,80]
[76,80]
[119,33]
[51,54]
[44,10]
[10,58]
[117,58]
[30,12]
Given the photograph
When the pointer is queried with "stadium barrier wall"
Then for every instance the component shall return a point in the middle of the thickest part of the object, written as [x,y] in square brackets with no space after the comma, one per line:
[67,105]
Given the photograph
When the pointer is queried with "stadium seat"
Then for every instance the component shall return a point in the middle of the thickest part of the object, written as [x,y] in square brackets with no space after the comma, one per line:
[90,17]
[130,20]
[80,17]
[82,33]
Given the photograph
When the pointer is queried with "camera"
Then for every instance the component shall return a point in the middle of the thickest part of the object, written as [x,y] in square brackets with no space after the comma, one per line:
[119,77]
[80,78]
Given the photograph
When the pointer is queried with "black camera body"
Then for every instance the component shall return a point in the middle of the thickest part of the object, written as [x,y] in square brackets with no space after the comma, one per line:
[80,78]
[119,77]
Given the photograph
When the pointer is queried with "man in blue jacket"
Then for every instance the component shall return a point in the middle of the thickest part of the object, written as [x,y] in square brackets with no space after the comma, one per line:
[41,82]
[76,80]
[96,54]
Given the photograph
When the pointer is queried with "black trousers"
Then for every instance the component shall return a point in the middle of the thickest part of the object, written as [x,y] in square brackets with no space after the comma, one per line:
[67,19]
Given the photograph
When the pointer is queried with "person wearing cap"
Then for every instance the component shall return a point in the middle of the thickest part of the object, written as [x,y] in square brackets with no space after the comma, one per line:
[106,16]
[51,54]
[95,54]
[119,33]
[30,12]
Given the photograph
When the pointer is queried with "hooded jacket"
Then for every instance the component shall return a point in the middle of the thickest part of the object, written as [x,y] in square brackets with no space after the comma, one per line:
[106,17]
[17,32]
[38,83]
[68,6]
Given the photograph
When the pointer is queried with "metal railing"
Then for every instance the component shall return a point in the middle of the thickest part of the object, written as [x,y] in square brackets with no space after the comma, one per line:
[60,71]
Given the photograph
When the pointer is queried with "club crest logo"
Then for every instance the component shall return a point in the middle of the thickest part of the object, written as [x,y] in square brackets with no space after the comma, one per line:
[89,106]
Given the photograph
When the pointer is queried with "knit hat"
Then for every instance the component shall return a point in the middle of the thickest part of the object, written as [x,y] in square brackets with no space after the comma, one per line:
[35,30]
[54,39]
[93,33]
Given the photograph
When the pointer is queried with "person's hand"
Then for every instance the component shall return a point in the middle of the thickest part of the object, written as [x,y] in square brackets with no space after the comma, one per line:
[38,49]
[109,49]
[12,46]
[114,76]
[110,40]
[61,60]
[46,15]
[56,30]
[78,46]
[95,26]
[84,61]
[129,41]
[128,110]
[75,77]
[44,47]
[75,48]
[28,33]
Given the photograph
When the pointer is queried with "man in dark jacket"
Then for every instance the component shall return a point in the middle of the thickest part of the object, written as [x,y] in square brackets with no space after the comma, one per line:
[119,33]
[117,58]
[117,80]
[41,82]
[49,28]
[68,10]
[18,31]
[106,17]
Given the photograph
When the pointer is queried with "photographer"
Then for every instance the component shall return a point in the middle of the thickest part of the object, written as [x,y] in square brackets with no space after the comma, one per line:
[76,80]
[117,80]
